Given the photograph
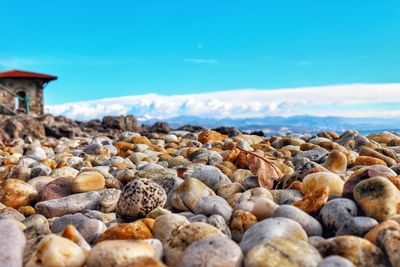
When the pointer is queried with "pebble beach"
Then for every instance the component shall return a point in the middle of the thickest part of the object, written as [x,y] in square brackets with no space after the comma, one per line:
[201,198]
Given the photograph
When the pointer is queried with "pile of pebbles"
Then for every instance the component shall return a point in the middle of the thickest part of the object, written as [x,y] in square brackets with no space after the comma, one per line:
[201,199]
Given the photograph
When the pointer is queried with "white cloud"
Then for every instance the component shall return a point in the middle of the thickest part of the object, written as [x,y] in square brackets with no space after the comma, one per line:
[354,100]
[201,61]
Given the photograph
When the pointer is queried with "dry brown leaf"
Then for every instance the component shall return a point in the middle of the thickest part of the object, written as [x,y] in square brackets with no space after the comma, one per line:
[267,170]
[241,160]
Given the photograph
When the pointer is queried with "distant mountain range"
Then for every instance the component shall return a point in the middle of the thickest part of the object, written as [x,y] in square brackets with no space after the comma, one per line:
[302,124]
[350,101]
[364,107]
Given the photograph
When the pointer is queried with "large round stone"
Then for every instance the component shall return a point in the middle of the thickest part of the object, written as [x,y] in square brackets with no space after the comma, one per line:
[118,253]
[319,180]
[187,194]
[139,197]
[336,162]
[212,251]
[164,225]
[337,212]
[87,181]
[54,250]
[359,251]
[309,224]
[211,205]
[269,229]
[377,197]
[16,193]
[388,240]
[183,237]
[138,230]
[282,251]
[12,244]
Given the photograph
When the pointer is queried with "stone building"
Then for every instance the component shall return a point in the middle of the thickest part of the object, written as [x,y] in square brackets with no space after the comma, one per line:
[22,91]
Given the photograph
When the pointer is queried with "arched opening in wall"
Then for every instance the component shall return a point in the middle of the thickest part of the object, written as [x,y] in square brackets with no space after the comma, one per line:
[20,102]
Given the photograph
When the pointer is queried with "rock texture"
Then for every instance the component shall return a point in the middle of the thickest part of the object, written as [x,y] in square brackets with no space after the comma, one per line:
[112,193]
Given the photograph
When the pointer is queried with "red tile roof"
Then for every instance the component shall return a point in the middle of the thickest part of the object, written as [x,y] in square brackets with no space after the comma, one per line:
[26,75]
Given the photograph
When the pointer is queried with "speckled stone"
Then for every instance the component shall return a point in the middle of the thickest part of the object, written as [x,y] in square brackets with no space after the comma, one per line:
[166,178]
[139,197]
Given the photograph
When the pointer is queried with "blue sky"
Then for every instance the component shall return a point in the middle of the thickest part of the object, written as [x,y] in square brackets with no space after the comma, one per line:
[105,49]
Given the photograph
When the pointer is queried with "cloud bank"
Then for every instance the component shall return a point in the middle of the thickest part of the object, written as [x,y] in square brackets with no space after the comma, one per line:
[353,100]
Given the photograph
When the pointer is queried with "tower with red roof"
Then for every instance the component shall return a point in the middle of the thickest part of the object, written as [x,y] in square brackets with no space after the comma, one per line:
[22,91]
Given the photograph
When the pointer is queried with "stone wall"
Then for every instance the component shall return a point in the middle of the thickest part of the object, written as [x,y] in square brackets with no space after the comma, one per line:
[32,87]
